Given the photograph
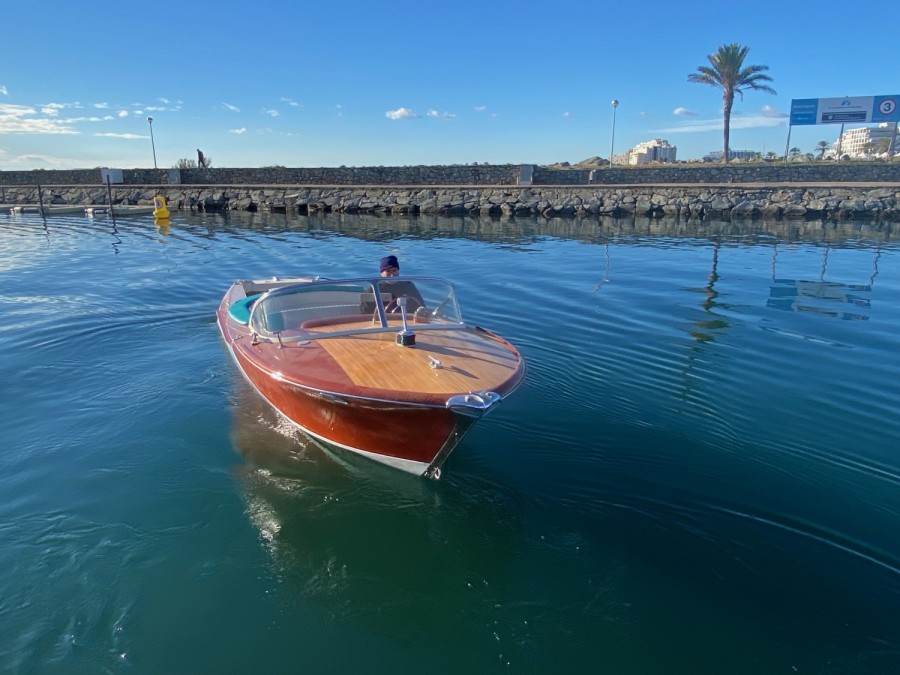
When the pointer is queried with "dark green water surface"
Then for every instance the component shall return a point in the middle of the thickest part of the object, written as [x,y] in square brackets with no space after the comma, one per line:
[701,473]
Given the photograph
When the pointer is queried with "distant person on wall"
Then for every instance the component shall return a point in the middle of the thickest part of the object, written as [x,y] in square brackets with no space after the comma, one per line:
[201,160]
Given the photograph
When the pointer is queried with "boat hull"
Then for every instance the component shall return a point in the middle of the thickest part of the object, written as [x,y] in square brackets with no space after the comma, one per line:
[407,436]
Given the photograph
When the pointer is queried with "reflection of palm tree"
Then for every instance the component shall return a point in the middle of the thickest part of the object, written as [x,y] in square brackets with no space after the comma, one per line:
[709,303]
[702,332]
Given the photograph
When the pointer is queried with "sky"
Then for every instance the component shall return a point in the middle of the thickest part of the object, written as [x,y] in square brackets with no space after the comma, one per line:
[305,83]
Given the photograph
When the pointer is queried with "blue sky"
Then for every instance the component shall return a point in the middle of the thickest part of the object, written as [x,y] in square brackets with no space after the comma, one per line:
[355,83]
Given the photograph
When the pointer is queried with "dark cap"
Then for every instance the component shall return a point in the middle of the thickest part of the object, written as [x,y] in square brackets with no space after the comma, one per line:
[389,261]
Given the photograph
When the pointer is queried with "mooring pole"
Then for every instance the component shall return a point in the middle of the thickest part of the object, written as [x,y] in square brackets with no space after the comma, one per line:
[109,197]
[787,144]
[892,148]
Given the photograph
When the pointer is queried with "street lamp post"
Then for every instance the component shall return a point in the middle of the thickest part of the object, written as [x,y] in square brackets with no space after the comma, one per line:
[152,144]
[612,142]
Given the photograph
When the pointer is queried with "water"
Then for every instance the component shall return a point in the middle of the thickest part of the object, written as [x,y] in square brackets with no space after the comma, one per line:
[700,474]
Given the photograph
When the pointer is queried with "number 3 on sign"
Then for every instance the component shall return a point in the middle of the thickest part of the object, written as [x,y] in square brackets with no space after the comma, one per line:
[887,106]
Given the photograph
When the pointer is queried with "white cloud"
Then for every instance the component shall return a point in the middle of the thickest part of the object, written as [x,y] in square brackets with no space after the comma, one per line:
[752,121]
[232,108]
[4,91]
[74,120]
[769,111]
[55,108]
[445,115]
[400,114]
[684,112]
[241,130]
[129,137]
[271,112]
[101,106]
[567,114]
[291,102]
[140,108]
[480,108]
[19,119]
[122,113]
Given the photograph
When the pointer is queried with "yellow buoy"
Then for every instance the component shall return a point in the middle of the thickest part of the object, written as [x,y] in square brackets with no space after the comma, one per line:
[160,211]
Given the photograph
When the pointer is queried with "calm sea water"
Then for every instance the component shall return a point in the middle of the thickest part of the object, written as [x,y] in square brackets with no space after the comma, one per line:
[701,473]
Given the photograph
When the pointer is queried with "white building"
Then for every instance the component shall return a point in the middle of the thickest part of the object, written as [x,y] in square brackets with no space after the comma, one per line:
[859,142]
[657,150]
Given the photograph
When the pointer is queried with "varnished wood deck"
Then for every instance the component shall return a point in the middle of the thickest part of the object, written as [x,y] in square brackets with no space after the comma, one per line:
[469,362]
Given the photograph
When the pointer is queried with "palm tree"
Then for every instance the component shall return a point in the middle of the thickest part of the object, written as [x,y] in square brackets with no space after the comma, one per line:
[728,73]
[821,147]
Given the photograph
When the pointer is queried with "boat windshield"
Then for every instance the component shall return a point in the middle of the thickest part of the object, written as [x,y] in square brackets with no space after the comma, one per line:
[319,308]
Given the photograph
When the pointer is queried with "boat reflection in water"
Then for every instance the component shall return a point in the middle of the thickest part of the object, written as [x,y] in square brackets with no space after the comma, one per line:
[371,545]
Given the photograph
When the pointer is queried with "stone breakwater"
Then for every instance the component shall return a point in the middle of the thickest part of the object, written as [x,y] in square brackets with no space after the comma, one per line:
[724,202]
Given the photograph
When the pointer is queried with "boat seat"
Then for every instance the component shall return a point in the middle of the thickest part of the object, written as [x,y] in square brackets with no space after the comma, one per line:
[338,320]
[240,310]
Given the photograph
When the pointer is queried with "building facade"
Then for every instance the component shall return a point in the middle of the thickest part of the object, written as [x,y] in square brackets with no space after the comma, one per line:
[864,141]
[657,150]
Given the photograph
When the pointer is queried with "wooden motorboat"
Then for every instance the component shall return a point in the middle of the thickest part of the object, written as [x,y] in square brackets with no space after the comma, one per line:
[384,367]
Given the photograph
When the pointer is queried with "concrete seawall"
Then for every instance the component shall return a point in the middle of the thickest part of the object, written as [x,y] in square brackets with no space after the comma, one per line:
[875,201]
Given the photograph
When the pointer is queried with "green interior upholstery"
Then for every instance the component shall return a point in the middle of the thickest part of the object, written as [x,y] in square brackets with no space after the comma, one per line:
[240,311]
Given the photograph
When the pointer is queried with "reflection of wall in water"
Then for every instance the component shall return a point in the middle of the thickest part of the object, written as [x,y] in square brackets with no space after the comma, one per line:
[599,229]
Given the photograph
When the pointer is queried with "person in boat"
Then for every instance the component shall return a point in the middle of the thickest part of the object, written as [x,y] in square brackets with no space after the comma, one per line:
[389,267]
